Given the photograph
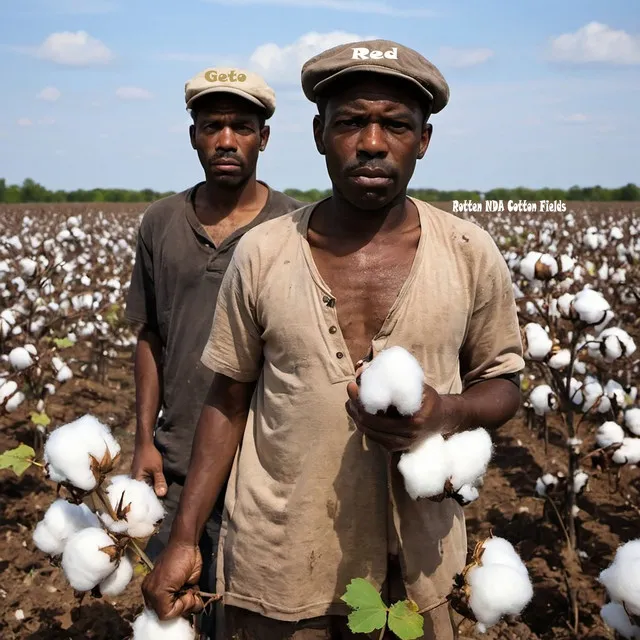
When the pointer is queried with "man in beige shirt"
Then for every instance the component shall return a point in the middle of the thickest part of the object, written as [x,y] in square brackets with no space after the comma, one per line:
[315,498]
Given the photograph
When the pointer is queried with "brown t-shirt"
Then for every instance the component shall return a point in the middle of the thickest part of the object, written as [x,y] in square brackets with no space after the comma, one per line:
[174,287]
[311,503]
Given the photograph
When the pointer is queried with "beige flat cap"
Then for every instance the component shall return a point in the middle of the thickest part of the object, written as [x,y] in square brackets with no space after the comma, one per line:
[377,56]
[240,82]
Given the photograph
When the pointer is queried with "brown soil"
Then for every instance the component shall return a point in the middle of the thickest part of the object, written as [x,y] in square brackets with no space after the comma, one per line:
[35,591]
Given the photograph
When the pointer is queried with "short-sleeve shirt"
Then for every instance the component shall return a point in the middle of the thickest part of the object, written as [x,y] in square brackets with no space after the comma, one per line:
[311,503]
[174,287]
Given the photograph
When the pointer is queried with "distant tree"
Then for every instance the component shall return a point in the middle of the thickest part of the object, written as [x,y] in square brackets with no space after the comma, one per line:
[628,192]
[3,189]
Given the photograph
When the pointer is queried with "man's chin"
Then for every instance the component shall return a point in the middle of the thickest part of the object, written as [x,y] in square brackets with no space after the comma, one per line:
[227,181]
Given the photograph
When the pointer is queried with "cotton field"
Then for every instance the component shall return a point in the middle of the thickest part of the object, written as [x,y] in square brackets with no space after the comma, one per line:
[550,498]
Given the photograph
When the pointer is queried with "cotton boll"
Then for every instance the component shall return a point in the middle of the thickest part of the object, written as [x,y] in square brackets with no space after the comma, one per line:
[28,267]
[593,394]
[469,453]
[543,399]
[425,469]
[500,551]
[622,582]
[14,401]
[615,343]
[64,374]
[84,564]
[538,266]
[560,360]
[138,499]
[61,521]
[580,479]
[629,452]
[609,433]
[565,307]
[468,493]
[7,390]
[616,618]
[68,449]
[147,626]
[632,420]
[118,581]
[20,359]
[538,343]
[591,307]
[615,390]
[575,392]
[497,590]
[543,483]
[394,377]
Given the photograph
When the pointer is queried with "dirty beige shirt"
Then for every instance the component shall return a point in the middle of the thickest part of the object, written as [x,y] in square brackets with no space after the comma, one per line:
[310,500]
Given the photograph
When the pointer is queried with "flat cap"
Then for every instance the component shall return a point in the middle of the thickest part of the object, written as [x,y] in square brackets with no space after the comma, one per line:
[240,82]
[377,56]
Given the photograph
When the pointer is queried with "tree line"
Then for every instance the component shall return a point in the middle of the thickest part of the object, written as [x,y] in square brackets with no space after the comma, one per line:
[31,191]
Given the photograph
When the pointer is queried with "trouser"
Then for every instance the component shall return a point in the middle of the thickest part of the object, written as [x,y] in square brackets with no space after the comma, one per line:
[241,624]
[210,619]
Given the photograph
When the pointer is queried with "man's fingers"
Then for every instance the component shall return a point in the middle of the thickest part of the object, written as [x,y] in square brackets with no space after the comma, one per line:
[159,483]
[352,391]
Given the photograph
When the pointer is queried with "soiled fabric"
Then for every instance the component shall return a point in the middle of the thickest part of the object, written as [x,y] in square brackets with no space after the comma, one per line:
[311,503]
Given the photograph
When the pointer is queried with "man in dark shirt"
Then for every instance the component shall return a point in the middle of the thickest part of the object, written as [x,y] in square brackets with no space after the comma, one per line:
[185,244]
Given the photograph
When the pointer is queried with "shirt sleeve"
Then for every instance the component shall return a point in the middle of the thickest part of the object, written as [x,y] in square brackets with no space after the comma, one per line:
[141,298]
[493,344]
[234,347]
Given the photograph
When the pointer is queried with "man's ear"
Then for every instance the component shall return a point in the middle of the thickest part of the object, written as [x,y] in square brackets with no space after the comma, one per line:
[425,138]
[192,135]
[264,137]
[318,132]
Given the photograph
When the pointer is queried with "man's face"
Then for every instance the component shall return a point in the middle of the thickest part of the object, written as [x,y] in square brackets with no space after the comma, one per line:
[372,135]
[228,138]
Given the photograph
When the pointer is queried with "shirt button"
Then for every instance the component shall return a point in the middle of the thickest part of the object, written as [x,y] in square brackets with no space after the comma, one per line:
[333,329]
[339,355]
[326,299]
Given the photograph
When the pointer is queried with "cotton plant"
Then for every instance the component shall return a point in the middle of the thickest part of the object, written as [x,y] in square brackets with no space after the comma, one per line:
[97,530]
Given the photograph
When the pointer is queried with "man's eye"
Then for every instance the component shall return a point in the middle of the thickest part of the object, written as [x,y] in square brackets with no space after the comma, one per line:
[348,122]
[398,125]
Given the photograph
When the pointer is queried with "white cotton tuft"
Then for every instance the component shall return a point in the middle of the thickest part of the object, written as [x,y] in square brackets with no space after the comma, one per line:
[468,493]
[425,469]
[616,618]
[543,399]
[616,343]
[118,581]
[609,433]
[632,420]
[580,479]
[500,551]
[147,626]
[84,564]
[621,578]
[615,390]
[20,359]
[469,454]
[7,390]
[592,308]
[538,266]
[394,377]
[629,452]
[144,508]
[497,590]
[538,343]
[28,267]
[560,360]
[62,521]
[15,401]
[68,450]
[594,397]
[543,483]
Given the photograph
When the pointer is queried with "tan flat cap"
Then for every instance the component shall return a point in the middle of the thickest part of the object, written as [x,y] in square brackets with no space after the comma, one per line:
[240,82]
[378,56]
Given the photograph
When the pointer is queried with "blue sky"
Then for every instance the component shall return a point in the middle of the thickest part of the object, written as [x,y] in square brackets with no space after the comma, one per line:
[543,93]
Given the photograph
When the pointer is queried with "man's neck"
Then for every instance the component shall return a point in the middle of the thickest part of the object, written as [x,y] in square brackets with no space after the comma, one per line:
[338,217]
[214,204]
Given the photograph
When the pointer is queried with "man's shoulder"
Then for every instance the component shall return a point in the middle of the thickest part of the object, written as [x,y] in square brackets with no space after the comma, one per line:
[160,212]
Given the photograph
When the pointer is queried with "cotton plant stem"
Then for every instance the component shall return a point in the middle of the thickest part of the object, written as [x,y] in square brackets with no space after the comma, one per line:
[431,607]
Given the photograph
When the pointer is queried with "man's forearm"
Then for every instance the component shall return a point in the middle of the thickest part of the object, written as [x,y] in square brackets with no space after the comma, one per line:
[148,380]
[218,434]
[487,404]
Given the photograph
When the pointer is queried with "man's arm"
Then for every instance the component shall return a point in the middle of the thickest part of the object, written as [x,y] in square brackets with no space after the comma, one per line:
[218,435]
[147,460]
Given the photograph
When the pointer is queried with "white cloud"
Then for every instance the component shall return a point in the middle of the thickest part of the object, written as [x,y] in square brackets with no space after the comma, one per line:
[575,118]
[452,57]
[50,94]
[77,49]
[282,64]
[596,42]
[346,6]
[133,93]
[24,122]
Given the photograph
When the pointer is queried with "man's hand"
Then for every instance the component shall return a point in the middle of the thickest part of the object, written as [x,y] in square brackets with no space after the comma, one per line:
[169,588]
[147,466]
[396,432]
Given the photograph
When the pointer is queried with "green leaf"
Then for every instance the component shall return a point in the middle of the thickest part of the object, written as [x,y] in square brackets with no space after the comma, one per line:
[140,569]
[370,612]
[405,621]
[18,459]
[40,418]
[366,620]
[63,343]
